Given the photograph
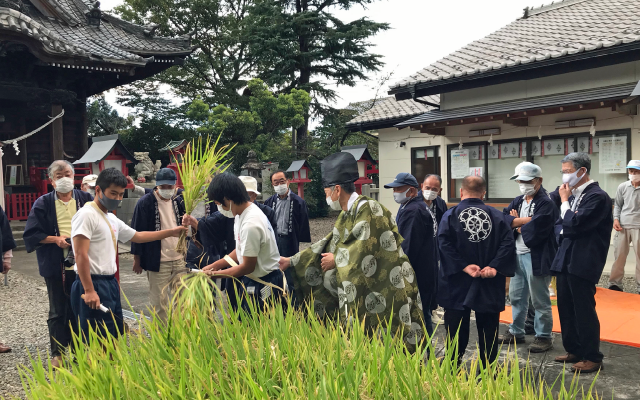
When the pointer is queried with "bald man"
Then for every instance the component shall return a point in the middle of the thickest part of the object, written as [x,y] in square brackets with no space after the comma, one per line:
[477,253]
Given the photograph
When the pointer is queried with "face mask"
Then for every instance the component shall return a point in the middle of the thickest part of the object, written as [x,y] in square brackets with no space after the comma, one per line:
[334,204]
[91,192]
[527,189]
[571,179]
[109,204]
[226,213]
[64,185]
[634,178]
[166,193]
[401,197]
[429,195]
[281,190]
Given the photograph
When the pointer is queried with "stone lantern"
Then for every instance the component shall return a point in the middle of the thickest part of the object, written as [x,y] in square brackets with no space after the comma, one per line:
[253,168]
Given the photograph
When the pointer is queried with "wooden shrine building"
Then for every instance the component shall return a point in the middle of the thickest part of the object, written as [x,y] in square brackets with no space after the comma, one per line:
[53,55]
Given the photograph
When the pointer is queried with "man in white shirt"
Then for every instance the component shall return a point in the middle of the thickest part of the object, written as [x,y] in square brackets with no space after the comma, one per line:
[626,222]
[255,259]
[95,232]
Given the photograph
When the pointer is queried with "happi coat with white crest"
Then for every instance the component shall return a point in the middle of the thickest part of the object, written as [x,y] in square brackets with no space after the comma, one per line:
[474,233]
[372,277]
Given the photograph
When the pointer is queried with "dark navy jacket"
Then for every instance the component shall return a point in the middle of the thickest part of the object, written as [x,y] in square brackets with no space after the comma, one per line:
[299,229]
[43,222]
[417,227]
[474,233]
[586,235]
[144,219]
[538,235]
[6,236]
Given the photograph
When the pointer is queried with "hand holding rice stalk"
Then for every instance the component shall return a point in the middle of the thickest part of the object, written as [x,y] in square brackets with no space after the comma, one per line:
[201,160]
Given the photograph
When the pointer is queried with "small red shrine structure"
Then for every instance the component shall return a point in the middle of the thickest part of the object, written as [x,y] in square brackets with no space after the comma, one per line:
[366,164]
[177,149]
[106,152]
[301,173]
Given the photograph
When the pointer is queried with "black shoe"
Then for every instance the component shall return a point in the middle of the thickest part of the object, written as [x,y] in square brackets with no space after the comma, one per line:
[540,345]
[616,288]
[529,330]
[508,338]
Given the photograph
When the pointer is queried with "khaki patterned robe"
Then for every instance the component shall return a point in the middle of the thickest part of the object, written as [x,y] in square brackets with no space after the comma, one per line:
[372,274]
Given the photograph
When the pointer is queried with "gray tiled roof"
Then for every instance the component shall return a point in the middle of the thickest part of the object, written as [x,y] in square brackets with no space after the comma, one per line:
[389,108]
[552,31]
[61,27]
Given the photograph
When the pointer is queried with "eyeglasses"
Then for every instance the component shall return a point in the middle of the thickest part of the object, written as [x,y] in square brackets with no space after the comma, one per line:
[279,182]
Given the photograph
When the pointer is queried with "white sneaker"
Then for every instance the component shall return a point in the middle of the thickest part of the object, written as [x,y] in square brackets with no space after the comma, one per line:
[435,318]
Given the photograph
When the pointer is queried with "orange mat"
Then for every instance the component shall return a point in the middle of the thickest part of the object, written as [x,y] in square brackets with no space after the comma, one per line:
[618,312]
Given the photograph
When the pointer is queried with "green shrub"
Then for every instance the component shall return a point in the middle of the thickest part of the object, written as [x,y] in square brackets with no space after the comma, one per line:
[273,356]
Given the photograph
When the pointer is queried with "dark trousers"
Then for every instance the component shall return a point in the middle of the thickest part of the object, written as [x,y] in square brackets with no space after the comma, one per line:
[60,313]
[487,325]
[258,293]
[578,318]
[109,323]
[287,249]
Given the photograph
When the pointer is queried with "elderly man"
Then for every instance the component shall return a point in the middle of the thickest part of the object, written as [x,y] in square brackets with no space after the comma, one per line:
[48,232]
[8,244]
[251,184]
[533,216]
[417,225]
[626,222]
[477,253]
[585,231]
[89,184]
[359,267]
[159,210]
[431,189]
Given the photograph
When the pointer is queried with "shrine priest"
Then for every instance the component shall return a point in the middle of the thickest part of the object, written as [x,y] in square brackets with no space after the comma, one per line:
[477,253]
[585,224]
[418,227]
[359,266]
[48,233]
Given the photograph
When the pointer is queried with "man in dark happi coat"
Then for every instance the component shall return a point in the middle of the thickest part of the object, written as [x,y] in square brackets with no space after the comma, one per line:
[48,233]
[585,223]
[477,253]
[416,223]
[431,189]
[8,244]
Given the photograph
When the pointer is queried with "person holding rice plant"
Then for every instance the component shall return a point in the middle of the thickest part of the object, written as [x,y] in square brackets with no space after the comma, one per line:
[255,258]
[359,268]
[160,209]
[95,233]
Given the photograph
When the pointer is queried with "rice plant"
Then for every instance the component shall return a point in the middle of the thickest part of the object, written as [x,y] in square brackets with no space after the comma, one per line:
[202,159]
[203,353]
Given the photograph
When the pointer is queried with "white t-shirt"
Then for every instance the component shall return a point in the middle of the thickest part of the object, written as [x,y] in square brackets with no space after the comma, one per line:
[102,255]
[255,238]
[522,248]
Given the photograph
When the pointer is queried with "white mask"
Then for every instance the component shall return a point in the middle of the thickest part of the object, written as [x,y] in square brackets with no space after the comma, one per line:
[401,197]
[91,192]
[572,179]
[64,185]
[527,189]
[166,193]
[281,190]
[226,213]
[334,205]
[634,178]
[429,195]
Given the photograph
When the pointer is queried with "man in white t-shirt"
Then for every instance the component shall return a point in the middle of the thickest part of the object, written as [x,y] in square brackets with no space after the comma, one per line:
[255,259]
[95,232]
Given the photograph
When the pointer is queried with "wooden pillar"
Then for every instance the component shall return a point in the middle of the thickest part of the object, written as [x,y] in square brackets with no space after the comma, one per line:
[84,131]
[57,145]
[23,151]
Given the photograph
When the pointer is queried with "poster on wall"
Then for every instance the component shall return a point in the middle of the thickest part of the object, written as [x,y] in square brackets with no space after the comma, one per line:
[475,171]
[613,154]
[459,163]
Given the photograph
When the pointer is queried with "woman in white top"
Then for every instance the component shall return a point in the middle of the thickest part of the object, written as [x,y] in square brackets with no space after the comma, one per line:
[255,259]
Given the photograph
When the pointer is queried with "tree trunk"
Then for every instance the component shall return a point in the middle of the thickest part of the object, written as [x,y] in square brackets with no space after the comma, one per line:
[305,78]
[57,144]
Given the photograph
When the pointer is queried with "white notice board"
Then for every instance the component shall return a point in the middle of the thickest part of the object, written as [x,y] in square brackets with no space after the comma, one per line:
[459,163]
[613,154]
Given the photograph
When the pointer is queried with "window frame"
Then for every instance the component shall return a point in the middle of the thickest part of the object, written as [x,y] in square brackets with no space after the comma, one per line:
[485,143]
[425,148]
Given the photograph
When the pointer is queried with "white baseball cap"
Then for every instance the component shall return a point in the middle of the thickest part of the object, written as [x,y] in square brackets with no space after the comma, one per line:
[90,180]
[634,164]
[526,171]
[250,183]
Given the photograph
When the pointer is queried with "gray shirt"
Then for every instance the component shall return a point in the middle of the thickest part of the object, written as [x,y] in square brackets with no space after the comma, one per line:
[522,248]
[627,206]
[283,210]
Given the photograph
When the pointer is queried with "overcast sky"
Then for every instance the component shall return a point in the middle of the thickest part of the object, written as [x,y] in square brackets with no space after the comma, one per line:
[422,31]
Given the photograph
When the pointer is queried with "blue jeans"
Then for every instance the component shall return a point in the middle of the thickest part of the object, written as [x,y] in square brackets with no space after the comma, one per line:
[523,285]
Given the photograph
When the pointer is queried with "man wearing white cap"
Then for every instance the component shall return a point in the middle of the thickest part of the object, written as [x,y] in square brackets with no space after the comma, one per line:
[533,216]
[251,184]
[626,222]
[89,184]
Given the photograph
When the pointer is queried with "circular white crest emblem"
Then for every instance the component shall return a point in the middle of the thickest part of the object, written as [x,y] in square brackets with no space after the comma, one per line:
[369,266]
[331,282]
[375,303]
[313,276]
[476,222]
[318,247]
[362,230]
[388,241]
[396,277]
[350,291]
[342,258]
[346,235]
[375,207]
[319,308]
[419,301]
[405,314]
[342,297]
[415,334]
[407,271]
